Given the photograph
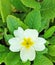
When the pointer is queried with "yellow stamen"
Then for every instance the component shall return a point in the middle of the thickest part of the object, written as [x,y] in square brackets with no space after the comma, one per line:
[27,42]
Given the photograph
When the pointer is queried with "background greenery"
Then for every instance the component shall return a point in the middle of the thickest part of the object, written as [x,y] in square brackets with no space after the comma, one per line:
[34,14]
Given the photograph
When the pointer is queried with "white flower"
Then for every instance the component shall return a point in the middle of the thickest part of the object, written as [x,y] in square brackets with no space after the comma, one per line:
[27,42]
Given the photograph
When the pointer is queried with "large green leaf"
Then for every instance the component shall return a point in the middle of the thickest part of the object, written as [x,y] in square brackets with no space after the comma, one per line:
[52,40]
[51,50]
[3,52]
[48,9]
[42,60]
[5,9]
[18,5]
[33,20]
[44,24]
[52,58]
[13,23]
[14,59]
[10,58]
[2,48]
[31,3]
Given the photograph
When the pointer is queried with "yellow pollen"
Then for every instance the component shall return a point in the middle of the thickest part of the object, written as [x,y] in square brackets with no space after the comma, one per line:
[27,43]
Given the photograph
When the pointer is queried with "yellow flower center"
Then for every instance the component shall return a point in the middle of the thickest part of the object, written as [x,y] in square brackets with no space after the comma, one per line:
[27,43]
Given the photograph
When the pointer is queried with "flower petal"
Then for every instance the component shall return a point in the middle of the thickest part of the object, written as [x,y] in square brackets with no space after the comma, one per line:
[27,54]
[40,40]
[31,33]
[14,48]
[19,33]
[13,41]
[23,55]
[39,44]
[15,44]
[39,47]
[31,54]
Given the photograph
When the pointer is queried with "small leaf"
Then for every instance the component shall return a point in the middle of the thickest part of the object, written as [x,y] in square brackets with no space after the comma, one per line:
[49,32]
[7,37]
[33,20]
[13,23]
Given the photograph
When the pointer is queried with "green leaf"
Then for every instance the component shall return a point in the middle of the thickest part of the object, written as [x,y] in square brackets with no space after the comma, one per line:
[7,37]
[2,48]
[49,32]
[48,9]
[51,50]
[44,24]
[43,52]
[31,3]
[1,23]
[42,60]
[33,20]
[3,53]
[18,5]
[14,59]
[5,9]
[13,23]
[52,58]
[52,40]
[1,33]
[10,58]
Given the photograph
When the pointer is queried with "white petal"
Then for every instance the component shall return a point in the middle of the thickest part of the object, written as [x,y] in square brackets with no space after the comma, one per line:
[39,47]
[13,41]
[15,44]
[31,33]
[23,55]
[40,40]
[14,48]
[19,33]
[39,44]
[31,54]
[27,54]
